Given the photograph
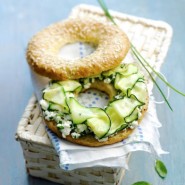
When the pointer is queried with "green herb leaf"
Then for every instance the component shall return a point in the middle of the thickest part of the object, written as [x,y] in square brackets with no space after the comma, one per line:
[160,168]
[141,183]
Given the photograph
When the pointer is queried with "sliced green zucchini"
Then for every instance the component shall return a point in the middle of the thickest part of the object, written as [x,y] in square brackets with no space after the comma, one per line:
[132,117]
[54,85]
[117,120]
[56,96]
[95,118]
[118,111]
[130,69]
[126,82]
[100,125]
[140,91]
[126,105]
[55,107]
[124,69]
[120,69]
[70,85]
[79,113]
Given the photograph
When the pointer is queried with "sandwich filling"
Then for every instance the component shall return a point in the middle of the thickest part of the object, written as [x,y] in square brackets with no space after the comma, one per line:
[126,87]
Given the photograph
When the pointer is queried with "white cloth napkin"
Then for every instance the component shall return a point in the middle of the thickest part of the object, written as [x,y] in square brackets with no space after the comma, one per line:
[144,138]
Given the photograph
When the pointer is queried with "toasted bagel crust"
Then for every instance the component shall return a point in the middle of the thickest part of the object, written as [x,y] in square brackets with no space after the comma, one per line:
[43,50]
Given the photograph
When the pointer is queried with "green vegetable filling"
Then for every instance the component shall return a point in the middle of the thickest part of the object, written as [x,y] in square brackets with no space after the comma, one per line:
[124,109]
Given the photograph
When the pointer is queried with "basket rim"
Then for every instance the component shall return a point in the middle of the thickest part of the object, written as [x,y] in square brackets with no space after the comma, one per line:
[21,133]
[120,16]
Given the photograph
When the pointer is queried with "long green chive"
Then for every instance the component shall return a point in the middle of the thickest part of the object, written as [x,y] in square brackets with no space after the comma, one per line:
[153,80]
[158,74]
[141,59]
[106,11]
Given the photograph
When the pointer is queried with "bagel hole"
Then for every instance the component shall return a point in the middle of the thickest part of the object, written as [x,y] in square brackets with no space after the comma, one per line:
[93,98]
[77,50]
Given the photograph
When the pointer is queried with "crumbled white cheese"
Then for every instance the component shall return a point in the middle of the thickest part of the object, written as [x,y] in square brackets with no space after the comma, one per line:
[67,117]
[118,96]
[107,80]
[65,128]
[44,104]
[58,119]
[139,112]
[59,125]
[65,131]
[75,135]
[134,124]
[87,85]
[81,128]
[67,124]
[49,115]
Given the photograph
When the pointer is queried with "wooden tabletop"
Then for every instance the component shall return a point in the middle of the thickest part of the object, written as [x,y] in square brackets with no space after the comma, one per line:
[20,20]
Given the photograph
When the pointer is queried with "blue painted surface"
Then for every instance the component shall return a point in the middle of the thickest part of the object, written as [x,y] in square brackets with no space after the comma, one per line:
[19,20]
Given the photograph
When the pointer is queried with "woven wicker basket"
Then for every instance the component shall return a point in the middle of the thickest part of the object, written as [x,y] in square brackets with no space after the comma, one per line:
[152,39]
[42,160]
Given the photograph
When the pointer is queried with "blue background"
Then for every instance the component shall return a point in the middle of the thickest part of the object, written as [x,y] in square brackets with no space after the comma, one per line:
[20,20]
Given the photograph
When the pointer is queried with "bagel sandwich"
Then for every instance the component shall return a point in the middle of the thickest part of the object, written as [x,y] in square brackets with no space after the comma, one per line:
[102,70]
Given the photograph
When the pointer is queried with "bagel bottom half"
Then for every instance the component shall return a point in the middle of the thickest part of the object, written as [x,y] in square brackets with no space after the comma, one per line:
[89,140]
[128,90]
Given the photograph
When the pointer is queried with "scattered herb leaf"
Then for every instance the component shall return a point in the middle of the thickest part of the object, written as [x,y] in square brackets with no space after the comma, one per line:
[160,169]
[141,183]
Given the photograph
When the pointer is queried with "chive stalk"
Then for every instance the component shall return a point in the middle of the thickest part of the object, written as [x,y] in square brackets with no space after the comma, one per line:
[158,74]
[142,60]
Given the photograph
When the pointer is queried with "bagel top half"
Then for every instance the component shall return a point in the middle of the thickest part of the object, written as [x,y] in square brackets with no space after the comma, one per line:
[111,43]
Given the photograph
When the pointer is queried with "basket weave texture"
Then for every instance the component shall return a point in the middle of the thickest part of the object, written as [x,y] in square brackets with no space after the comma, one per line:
[42,159]
[152,39]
